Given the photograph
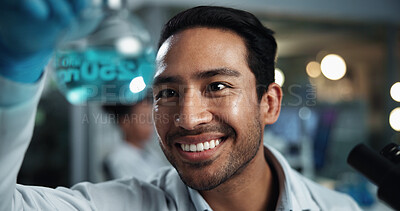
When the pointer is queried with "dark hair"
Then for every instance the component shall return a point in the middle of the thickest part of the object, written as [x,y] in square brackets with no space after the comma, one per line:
[260,43]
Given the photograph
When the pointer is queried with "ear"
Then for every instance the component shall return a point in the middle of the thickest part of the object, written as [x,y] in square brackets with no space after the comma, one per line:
[270,105]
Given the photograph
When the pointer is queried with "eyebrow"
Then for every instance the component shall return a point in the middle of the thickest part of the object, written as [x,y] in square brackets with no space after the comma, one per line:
[200,75]
[219,71]
[167,79]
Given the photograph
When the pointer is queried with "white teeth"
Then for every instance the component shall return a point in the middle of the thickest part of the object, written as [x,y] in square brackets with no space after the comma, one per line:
[212,144]
[200,146]
[206,145]
[193,148]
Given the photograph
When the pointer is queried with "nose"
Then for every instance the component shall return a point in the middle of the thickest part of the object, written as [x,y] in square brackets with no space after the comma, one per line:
[193,111]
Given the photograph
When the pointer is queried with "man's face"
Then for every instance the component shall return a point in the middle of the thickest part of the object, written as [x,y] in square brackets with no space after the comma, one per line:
[206,111]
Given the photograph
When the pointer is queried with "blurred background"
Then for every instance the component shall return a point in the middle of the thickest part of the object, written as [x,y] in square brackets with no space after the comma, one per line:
[338,65]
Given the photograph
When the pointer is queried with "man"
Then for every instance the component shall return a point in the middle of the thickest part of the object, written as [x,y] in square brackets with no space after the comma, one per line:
[135,154]
[214,93]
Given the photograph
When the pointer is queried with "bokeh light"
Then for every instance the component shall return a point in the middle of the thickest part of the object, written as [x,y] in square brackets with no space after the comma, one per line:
[395,91]
[394,119]
[130,46]
[137,85]
[279,77]
[333,67]
[313,69]
[305,113]
[114,4]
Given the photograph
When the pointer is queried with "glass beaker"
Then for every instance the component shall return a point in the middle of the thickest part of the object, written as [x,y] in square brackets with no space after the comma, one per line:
[113,64]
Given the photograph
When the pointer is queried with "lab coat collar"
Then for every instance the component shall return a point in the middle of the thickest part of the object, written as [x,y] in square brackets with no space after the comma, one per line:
[293,194]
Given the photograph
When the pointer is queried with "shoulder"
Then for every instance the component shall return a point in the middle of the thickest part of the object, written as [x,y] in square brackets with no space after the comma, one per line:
[168,180]
[122,193]
[166,188]
[306,193]
[328,199]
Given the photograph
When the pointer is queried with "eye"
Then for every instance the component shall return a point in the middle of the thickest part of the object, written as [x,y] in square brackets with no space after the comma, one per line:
[216,86]
[166,93]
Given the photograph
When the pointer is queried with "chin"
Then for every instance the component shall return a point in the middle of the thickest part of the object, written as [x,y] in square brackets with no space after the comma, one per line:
[202,182]
[204,176]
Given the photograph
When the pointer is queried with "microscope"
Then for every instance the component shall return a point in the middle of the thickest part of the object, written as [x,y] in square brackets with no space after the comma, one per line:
[382,169]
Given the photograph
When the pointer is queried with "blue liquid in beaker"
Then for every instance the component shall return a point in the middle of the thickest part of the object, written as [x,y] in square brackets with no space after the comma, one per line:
[103,75]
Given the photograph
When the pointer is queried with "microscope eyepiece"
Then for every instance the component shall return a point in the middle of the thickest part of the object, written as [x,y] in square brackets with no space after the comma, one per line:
[391,152]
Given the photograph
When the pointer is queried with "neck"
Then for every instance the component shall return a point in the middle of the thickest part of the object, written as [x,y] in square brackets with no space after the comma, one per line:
[255,188]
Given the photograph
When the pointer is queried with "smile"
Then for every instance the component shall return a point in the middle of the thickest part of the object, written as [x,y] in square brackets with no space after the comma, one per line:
[207,145]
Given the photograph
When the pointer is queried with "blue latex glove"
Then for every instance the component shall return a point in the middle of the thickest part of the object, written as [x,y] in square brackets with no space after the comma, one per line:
[29,32]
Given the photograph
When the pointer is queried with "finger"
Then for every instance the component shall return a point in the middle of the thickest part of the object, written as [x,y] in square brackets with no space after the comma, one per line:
[61,10]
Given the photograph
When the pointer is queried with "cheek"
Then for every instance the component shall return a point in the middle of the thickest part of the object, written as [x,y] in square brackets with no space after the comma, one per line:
[237,107]
[238,112]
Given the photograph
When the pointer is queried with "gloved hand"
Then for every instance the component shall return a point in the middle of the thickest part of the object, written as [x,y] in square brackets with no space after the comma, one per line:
[29,32]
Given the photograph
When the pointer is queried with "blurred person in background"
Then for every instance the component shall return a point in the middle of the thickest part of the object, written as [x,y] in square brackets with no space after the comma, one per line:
[136,154]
